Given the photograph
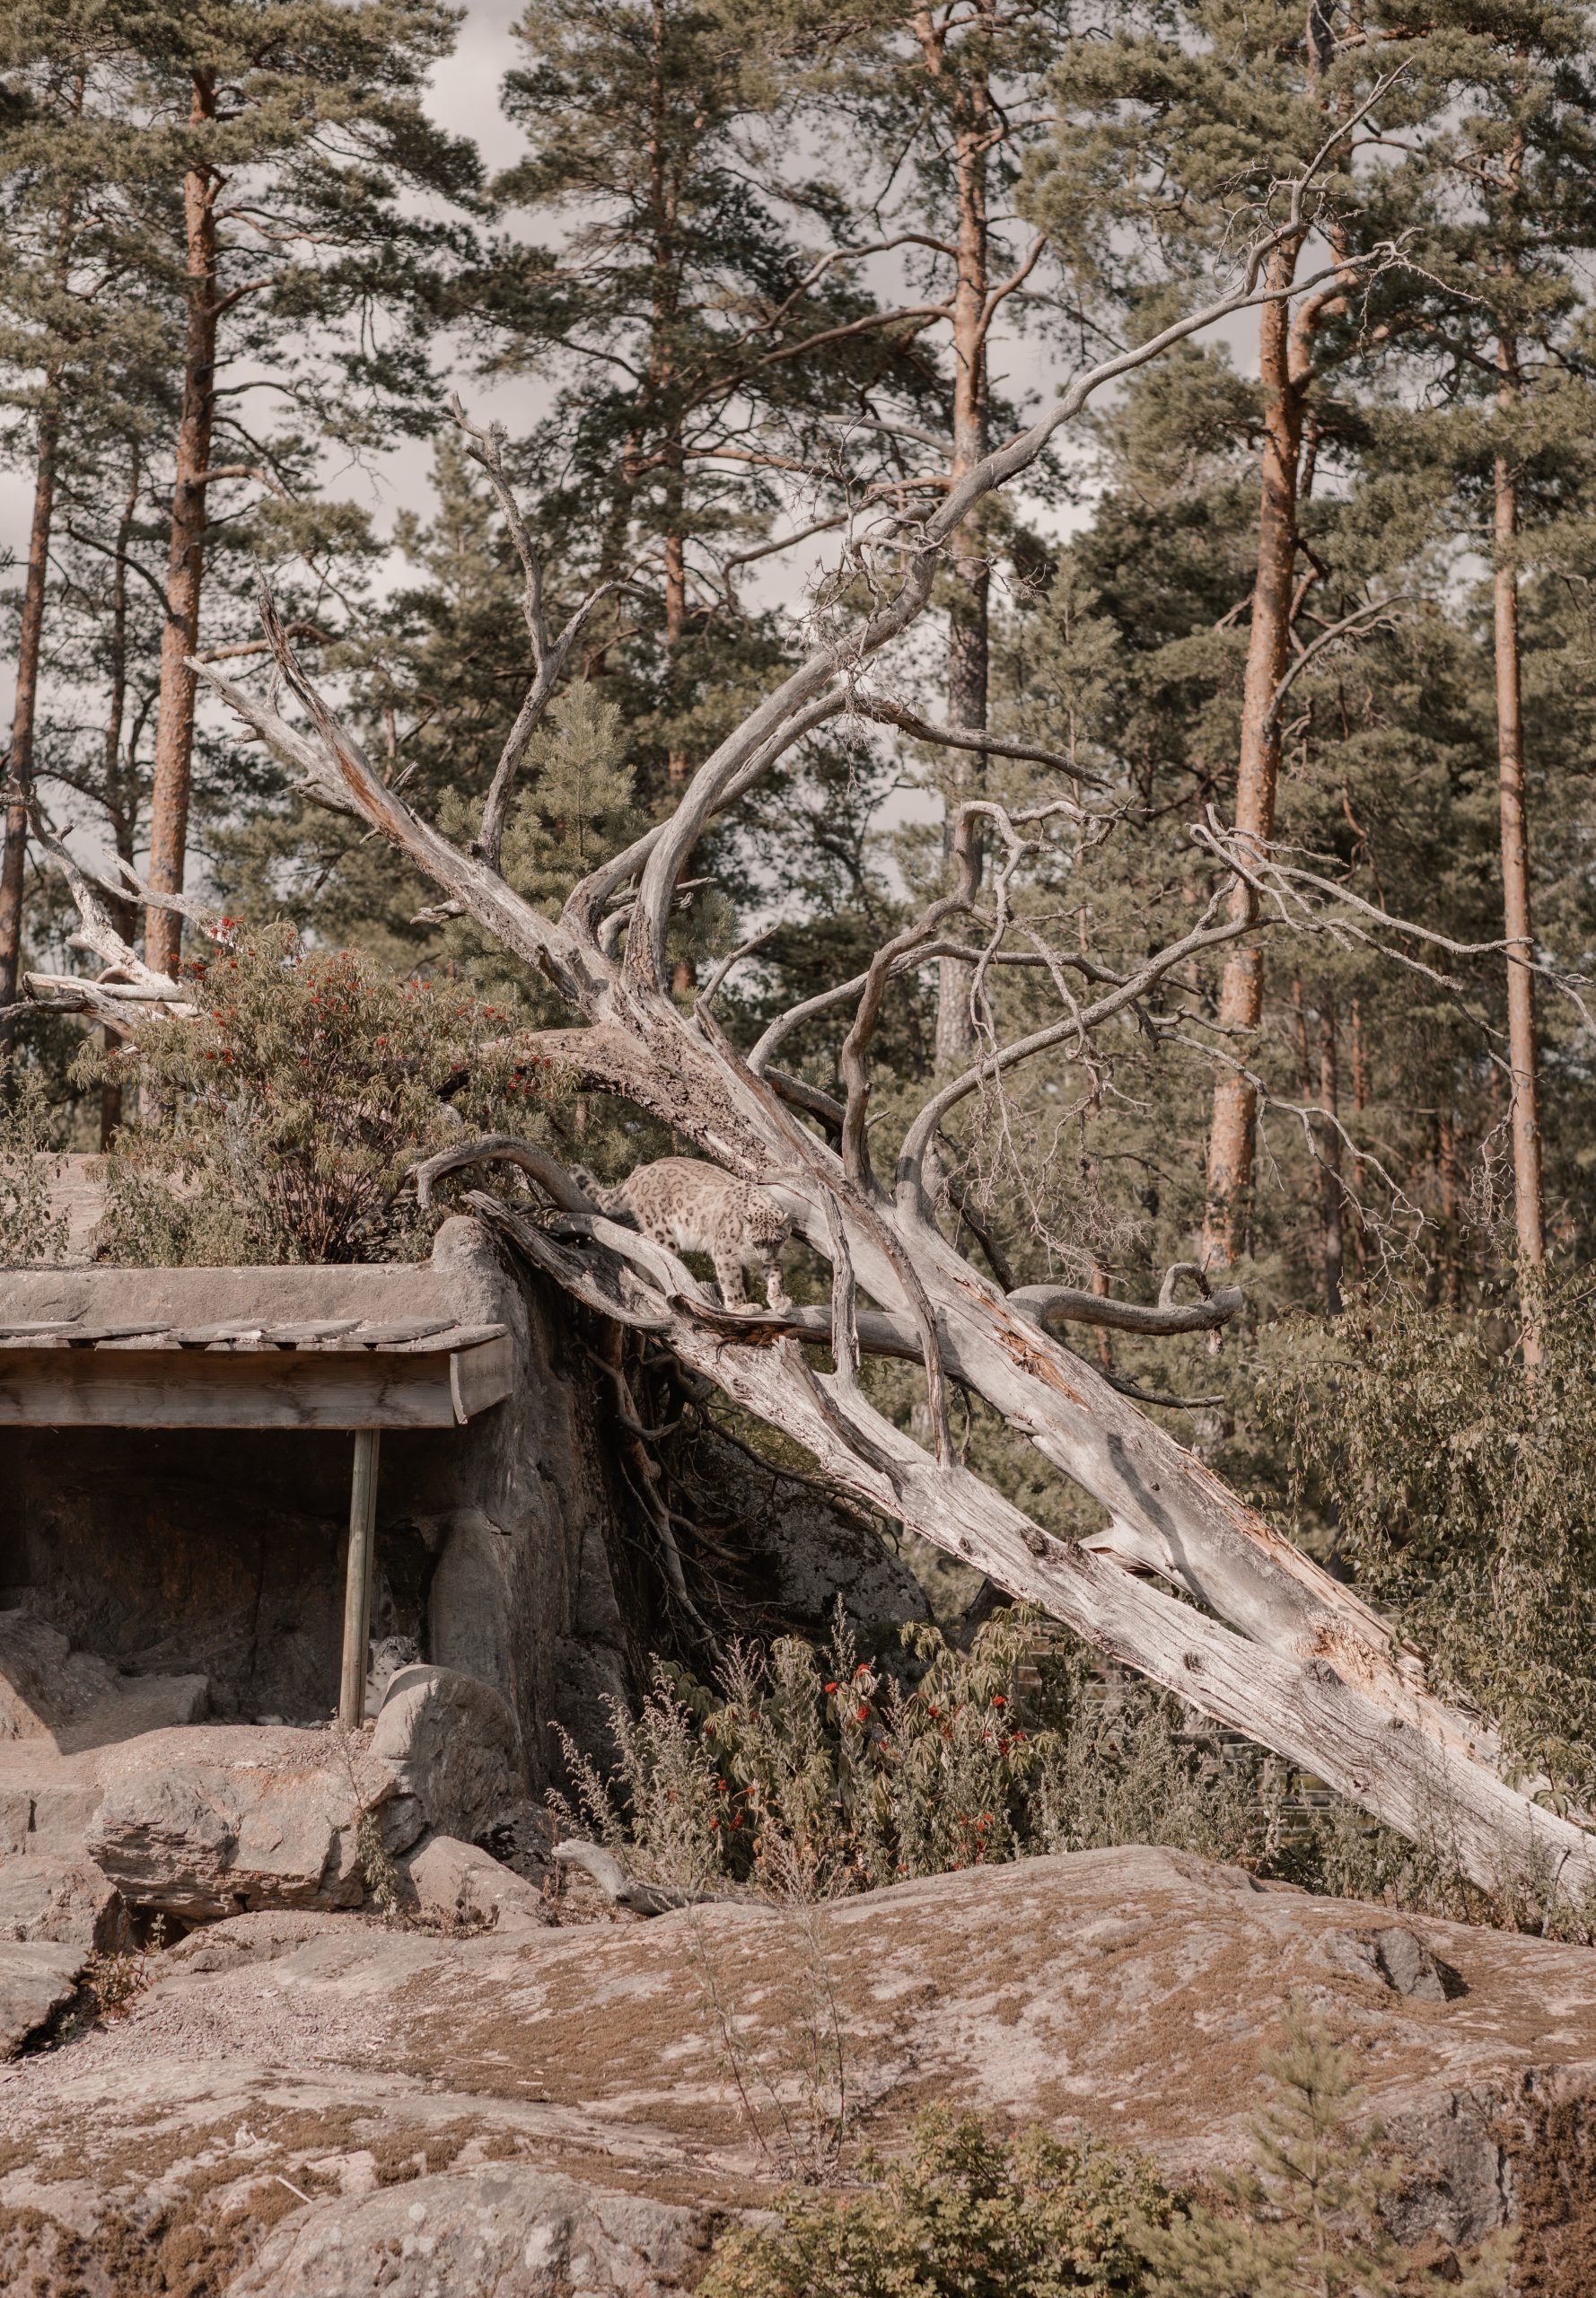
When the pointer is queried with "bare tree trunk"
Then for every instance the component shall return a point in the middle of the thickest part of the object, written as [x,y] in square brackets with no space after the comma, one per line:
[110,1091]
[20,761]
[1330,1192]
[1523,1052]
[1446,1162]
[661,364]
[968,575]
[1360,1102]
[1234,1126]
[174,723]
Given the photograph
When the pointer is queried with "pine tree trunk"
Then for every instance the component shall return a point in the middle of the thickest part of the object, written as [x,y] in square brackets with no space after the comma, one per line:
[1234,1126]
[1522,1045]
[1446,1163]
[19,762]
[110,1091]
[185,573]
[969,576]
[1330,1195]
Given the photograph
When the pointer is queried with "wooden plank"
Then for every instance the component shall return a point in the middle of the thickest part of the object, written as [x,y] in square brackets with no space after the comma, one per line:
[208,1336]
[481,1376]
[53,1329]
[46,1388]
[462,1337]
[303,1336]
[88,1336]
[406,1328]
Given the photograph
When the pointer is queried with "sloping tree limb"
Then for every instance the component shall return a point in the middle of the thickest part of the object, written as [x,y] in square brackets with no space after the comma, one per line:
[1425,1769]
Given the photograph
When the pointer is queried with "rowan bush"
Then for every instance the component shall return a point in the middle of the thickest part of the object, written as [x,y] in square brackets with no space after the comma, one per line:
[281,1122]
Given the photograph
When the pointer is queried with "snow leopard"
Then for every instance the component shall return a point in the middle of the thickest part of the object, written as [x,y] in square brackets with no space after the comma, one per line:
[694,1207]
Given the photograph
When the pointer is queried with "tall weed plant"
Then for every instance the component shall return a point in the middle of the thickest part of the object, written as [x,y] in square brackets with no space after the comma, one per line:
[810,1772]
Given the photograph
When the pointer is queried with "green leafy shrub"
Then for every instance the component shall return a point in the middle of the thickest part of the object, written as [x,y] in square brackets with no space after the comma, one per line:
[968,2215]
[281,1123]
[1462,1494]
[812,1773]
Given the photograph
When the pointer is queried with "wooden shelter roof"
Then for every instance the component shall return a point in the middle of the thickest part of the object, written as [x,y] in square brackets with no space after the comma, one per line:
[384,1346]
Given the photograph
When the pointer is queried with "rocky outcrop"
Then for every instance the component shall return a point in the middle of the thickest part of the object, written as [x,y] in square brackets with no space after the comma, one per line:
[37,1980]
[806,1554]
[204,1822]
[1125,1993]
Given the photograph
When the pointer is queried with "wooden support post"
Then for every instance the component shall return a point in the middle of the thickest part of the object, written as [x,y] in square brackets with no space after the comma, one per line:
[357,1581]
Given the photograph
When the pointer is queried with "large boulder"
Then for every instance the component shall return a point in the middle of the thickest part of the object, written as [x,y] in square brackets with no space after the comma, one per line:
[519,2233]
[461,1888]
[450,1742]
[68,1902]
[205,1823]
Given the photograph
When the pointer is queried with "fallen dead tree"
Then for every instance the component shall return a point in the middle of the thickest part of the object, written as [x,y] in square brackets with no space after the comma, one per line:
[1244,1627]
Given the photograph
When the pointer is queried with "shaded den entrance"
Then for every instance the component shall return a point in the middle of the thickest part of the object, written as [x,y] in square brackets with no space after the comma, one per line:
[192,1459]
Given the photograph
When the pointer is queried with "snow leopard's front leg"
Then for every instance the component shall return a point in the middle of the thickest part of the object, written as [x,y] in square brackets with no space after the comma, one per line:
[775,1292]
[728,1276]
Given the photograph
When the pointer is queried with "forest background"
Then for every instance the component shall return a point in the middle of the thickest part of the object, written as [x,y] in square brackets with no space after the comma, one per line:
[731,277]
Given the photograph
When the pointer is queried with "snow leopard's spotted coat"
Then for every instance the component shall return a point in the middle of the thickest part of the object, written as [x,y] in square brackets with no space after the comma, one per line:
[694,1207]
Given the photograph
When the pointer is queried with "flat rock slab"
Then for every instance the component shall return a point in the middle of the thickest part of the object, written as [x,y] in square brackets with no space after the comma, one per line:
[1129,1993]
[518,2232]
[37,1980]
[208,1820]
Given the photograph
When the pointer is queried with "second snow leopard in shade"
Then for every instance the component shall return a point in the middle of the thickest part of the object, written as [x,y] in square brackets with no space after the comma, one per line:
[694,1207]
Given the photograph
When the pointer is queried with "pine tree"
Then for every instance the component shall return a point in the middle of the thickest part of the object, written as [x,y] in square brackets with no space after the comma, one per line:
[720,375]
[950,97]
[1176,134]
[1305,2222]
[290,140]
[74,340]
[1502,220]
